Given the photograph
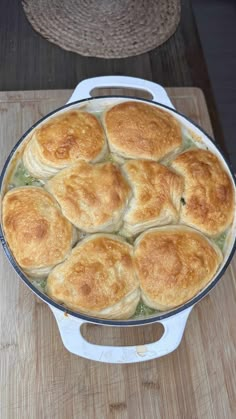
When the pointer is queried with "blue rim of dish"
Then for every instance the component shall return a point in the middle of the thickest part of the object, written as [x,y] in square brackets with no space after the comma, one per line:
[131,322]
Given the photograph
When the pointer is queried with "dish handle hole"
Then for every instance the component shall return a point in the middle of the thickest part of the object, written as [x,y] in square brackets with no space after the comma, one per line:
[122,336]
[121,91]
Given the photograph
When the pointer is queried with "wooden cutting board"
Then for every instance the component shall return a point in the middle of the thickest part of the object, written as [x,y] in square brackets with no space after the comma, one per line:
[39,379]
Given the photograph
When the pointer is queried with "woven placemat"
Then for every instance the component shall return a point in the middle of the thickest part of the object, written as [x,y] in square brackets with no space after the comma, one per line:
[104,28]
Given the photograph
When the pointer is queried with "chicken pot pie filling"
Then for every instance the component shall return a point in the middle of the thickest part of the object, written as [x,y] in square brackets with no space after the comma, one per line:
[145,212]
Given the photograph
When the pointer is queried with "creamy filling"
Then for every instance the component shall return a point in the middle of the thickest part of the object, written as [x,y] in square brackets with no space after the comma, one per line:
[220,240]
[143,310]
[21,177]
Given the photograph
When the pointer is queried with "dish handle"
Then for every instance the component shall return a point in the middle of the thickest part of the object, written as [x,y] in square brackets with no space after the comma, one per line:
[74,342]
[84,88]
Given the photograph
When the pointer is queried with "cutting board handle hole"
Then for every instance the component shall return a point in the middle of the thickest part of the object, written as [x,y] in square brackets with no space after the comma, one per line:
[122,336]
[121,91]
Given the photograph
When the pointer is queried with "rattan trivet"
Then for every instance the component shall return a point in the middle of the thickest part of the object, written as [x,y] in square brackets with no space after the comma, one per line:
[104,28]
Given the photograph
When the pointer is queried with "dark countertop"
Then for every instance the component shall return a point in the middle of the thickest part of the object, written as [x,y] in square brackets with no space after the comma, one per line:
[29,62]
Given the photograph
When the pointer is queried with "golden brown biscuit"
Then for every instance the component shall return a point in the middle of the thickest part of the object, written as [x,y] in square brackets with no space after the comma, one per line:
[173,264]
[61,141]
[208,199]
[97,279]
[92,197]
[156,196]
[37,233]
[139,130]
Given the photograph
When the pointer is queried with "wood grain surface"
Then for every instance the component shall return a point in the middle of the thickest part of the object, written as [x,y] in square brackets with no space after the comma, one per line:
[39,379]
[29,62]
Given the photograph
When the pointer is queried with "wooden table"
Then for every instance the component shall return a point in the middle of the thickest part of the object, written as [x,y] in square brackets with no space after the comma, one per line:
[29,62]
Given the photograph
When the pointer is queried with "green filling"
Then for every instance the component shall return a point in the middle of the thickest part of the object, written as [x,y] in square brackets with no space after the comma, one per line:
[143,310]
[130,240]
[40,284]
[188,143]
[21,177]
[220,240]
[110,158]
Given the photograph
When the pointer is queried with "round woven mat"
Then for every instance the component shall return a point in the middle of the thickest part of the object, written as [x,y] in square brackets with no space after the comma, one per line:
[104,28]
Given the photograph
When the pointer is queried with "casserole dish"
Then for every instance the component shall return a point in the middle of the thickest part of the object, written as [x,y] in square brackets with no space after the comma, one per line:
[173,320]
